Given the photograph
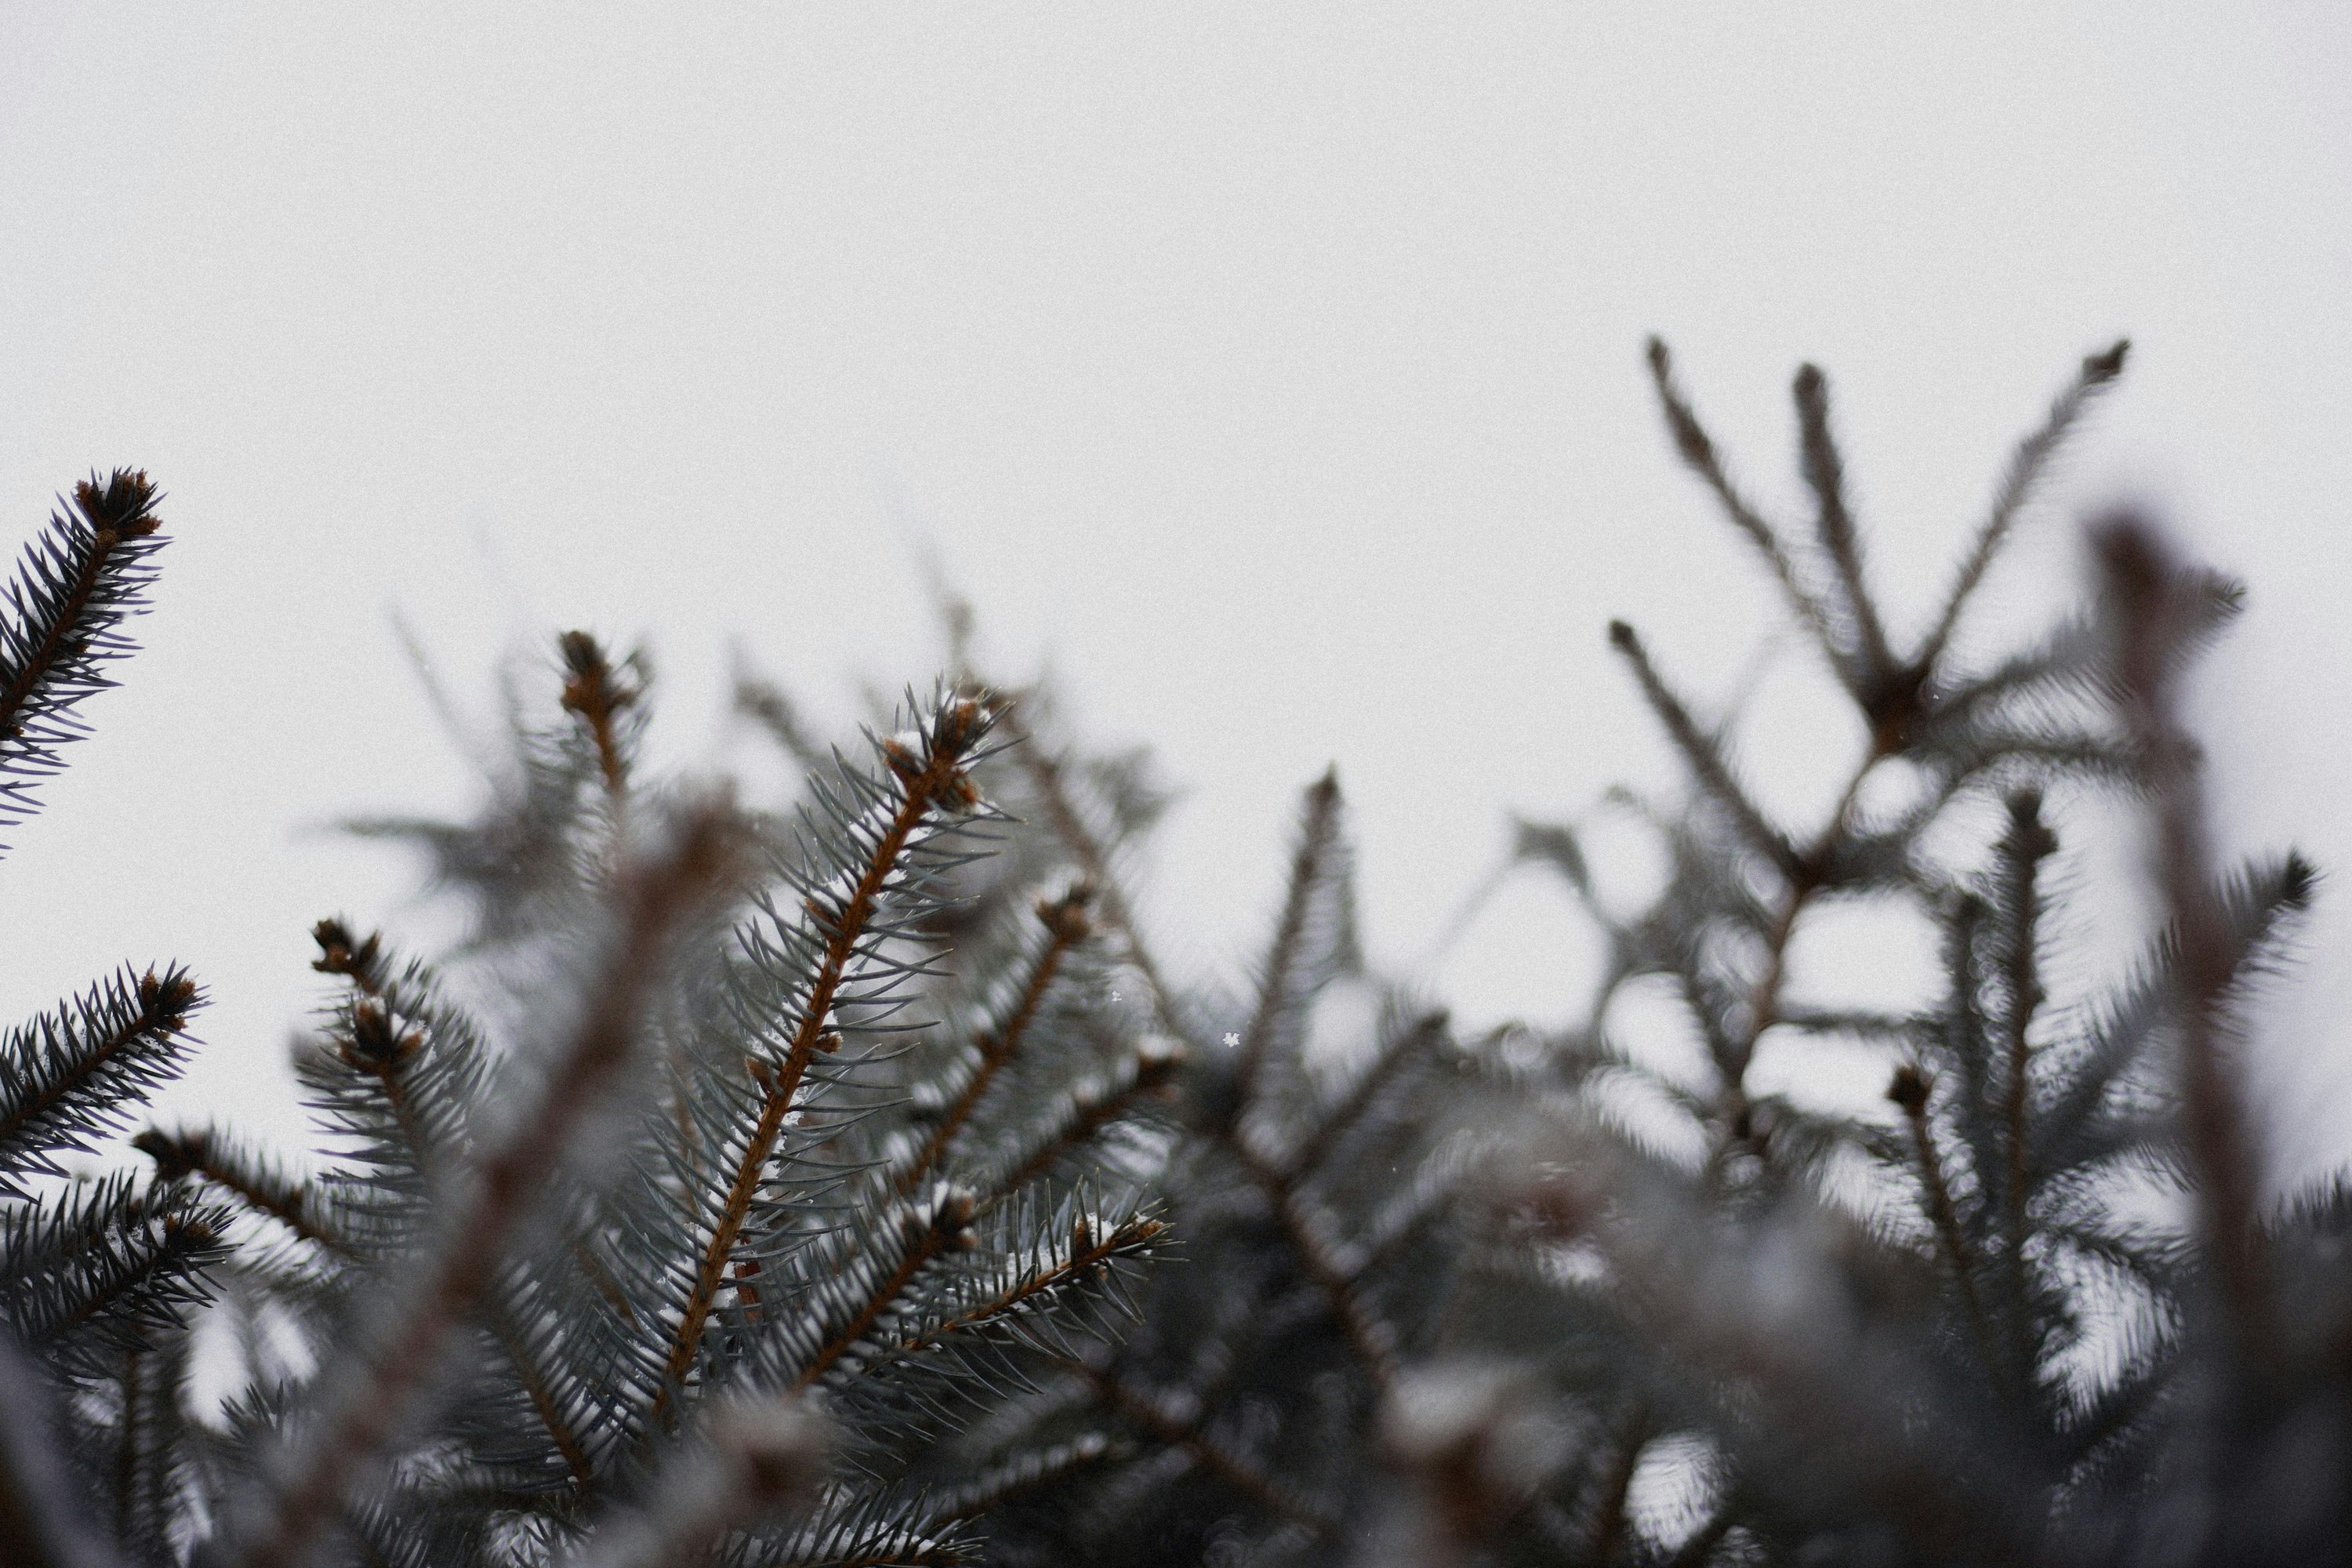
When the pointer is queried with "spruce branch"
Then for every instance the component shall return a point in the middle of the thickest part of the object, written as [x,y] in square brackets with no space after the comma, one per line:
[1396,1055]
[1374,1342]
[360,1411]
[2152,600]
[73,1073]
[1825,473]
[1311,865]
[2025,472]
[213,1156]
[767,705]
[1045,774]
[930,1231]
[1000,1484]
[103,1267]
[1704,755]
[603,700]
[2020,853]
[63,623]
[1066,926]
[539,1389]
[2255,905]
[1910,1090]
[929,781]
[1091,1247]
[1149,1074]
[1698,454]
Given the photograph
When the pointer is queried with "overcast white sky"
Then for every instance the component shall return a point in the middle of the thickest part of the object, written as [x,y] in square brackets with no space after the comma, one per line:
[1274,370]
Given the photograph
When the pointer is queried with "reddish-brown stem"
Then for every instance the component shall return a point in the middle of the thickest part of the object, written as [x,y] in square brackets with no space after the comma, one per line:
[936,1237]
[2025,845]
[181,1154]
[455,1278]
[1065,925]
[57,641]
[1095,1251]
[1045,776]
[163,1010]
[940,778]
[1092,1118]
[2149,592]
[543,1400]
[594,695]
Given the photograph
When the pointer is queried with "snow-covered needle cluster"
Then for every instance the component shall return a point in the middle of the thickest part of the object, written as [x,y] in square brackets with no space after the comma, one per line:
[847,1180]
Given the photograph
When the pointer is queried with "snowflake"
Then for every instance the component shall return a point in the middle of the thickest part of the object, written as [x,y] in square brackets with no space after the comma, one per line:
[1233,1039]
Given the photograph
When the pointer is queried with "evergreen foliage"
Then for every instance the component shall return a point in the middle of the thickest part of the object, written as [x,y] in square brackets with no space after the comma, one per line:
[845,1180]
[2031,1312]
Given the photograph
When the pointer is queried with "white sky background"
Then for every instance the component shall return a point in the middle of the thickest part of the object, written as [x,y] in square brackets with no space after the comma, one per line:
[1274,370]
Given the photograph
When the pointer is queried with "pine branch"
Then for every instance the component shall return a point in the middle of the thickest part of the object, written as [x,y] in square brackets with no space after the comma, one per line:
[603,700]
[1704,757]
[934,781]
[213,1157]
[1066,926]
[1909,1091]
[1825,473]
[2017,486]
[1043,773]
[2022,851]
[73,591]
[1697,452]
[1311,866]
[2150,599]
[74,1074]
[452,1280]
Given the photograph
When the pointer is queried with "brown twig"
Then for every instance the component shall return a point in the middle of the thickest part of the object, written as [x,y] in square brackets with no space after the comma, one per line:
[1090,1250]
[594,692]
[2149,598]
[943,1230]
[454,1278]
[1065,923]
[1045,775]
[1909,1091]
[1152,1075]
[925,785]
